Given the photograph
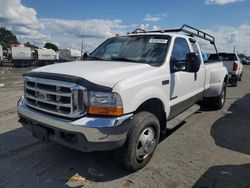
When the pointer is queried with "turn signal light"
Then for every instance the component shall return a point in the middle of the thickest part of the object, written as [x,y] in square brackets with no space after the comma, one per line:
[105,111]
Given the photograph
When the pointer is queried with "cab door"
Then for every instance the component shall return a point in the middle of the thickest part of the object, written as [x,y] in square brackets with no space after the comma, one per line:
[185,88]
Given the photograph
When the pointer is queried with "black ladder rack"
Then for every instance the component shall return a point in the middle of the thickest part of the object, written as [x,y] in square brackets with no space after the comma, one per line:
[185,29]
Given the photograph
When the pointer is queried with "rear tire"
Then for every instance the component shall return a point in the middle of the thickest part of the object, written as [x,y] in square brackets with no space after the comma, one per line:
[240,77]
[142,139]
[216,102]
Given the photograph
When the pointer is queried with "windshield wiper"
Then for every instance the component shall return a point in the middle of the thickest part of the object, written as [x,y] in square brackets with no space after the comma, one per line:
[123,59]
[95,58]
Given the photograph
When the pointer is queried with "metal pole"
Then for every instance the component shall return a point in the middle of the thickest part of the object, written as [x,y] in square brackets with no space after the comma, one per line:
[82,41]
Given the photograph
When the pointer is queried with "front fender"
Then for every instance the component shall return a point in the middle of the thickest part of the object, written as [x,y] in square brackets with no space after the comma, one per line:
[134,96]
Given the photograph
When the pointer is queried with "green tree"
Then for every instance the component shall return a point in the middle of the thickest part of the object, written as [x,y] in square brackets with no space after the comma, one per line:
[31,45]
[51,46]
[7,38]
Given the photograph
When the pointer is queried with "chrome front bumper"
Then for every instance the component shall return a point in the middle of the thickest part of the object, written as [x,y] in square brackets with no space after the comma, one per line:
[93,133]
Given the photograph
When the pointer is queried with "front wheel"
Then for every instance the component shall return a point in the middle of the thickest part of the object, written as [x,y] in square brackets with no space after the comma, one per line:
[142,139]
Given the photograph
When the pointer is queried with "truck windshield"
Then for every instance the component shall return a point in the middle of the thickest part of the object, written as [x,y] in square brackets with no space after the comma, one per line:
[150,49]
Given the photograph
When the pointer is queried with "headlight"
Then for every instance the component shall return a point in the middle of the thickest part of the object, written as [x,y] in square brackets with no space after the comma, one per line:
[102,103]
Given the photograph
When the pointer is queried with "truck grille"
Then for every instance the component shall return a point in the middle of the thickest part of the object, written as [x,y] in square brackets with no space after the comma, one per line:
[55,97]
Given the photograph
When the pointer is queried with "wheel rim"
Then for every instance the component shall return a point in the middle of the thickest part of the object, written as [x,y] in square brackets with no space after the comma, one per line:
[146,144]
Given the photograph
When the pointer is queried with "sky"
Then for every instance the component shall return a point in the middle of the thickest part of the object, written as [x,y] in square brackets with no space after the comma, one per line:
[64,22]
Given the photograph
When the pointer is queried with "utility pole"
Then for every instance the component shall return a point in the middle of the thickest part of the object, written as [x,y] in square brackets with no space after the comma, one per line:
[82,48]
[82,42]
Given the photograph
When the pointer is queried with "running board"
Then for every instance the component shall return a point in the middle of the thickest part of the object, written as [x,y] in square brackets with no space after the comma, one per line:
[181,117]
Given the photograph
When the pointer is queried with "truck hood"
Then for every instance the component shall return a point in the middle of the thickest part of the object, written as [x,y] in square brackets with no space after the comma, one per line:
[106,73]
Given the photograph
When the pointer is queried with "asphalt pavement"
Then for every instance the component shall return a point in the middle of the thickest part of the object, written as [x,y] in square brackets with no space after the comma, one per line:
[209,149]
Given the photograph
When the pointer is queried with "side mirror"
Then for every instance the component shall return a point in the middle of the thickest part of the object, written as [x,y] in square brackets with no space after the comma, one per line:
[85,56]
[192,62]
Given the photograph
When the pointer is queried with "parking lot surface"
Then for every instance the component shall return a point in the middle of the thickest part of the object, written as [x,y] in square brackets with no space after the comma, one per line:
[210,149]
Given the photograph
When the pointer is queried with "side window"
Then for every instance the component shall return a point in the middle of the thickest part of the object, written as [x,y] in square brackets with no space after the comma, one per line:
[195,47]
[178,56]
[196,50]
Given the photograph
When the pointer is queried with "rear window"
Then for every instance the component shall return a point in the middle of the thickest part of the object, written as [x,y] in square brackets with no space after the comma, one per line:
[214,57]
[228,57]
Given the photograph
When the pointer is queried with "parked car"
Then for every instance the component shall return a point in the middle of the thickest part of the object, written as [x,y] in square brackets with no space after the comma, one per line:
[245,61]
[128,92]
[21,56]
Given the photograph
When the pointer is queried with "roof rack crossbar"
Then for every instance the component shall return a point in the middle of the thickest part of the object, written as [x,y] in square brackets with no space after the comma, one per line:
[185,29]
[198,33]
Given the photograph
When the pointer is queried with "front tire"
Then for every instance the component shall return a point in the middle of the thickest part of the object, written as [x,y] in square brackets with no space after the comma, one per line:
[142,139]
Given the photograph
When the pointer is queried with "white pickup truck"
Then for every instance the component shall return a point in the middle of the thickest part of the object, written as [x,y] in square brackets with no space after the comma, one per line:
[128,92]
[233,64]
